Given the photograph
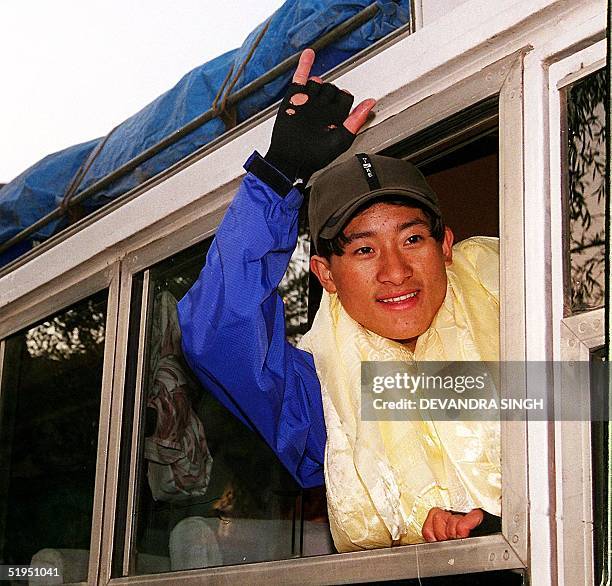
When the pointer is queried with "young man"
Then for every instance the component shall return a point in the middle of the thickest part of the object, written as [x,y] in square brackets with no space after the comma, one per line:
[395,289]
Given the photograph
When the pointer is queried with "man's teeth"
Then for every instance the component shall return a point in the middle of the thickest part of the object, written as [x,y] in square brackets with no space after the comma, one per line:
[400,298]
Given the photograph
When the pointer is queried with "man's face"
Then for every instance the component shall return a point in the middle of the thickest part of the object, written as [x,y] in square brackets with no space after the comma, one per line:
[392,276]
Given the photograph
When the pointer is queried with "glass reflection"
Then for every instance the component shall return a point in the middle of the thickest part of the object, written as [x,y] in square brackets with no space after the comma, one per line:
[294,289]
[211,492]
[49,411]
[586,154]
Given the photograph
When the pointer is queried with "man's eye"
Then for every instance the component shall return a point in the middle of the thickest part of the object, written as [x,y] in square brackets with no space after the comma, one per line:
[414,239]
[364,250]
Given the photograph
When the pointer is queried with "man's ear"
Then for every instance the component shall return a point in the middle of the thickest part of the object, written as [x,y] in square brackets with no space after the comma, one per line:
[447,246]
[321,267]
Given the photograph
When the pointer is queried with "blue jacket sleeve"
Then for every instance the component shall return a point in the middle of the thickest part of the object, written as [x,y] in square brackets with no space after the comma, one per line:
[233,328]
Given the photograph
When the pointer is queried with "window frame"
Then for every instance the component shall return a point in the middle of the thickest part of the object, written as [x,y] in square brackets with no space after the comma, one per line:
[48,300]
[575,337]
[507,550]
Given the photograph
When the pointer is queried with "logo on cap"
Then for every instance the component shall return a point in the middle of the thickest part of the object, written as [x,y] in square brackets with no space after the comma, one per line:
[368,170]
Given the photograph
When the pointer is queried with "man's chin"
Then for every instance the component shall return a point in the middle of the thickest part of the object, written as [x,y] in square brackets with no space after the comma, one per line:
[410,343]
[406,338]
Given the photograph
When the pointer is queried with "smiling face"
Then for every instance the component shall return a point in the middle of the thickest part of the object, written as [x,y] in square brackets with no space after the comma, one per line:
[392,276]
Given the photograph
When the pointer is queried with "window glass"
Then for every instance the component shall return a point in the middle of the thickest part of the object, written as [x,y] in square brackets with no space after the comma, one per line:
[294,286]
[49,411]
[210,491]
[586,163]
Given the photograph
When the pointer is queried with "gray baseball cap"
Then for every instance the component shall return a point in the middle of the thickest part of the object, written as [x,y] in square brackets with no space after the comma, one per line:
[342,189]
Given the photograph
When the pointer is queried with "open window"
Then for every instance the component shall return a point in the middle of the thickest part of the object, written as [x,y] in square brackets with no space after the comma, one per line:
[454,145]
[459,156]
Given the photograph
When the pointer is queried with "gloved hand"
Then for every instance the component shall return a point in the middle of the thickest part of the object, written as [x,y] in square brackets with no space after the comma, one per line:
[313,125]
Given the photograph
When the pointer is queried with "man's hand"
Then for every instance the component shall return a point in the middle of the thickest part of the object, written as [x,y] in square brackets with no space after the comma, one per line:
[313,125]
[441,525]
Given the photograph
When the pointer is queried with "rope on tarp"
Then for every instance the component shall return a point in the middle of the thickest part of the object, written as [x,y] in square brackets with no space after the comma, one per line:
[346,27]
[229,115]
[76,212]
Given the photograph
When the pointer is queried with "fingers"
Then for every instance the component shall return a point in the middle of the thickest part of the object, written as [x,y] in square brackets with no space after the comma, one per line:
[441,525]
[304,66]
[428,531]
[469,522]
[451,526]
[359,116]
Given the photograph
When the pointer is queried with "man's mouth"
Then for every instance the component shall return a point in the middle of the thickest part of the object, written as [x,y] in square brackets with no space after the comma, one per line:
[398,298]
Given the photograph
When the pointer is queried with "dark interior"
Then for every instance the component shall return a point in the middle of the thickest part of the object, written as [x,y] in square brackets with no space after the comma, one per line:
[466,181]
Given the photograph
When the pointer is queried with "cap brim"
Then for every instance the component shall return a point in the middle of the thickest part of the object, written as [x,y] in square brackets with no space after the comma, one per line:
[343,215]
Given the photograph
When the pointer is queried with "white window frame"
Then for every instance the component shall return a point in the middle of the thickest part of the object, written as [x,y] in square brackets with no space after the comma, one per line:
[507,550]
[575,337]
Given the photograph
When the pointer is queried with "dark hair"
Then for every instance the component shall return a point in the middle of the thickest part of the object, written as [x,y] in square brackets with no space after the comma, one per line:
[326,248]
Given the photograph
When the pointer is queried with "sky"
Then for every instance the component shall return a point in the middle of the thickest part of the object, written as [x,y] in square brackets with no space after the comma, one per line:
[72,70]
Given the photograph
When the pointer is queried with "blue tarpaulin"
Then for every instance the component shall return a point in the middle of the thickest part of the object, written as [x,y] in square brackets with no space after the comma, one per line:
[293,27]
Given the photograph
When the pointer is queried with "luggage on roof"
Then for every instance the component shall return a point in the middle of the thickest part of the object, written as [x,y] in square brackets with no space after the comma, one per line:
[293,27]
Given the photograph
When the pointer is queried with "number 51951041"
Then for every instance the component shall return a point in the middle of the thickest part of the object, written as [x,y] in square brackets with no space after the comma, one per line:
[7,572]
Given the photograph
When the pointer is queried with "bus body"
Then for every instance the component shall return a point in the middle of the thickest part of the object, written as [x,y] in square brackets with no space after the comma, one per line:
[482,96]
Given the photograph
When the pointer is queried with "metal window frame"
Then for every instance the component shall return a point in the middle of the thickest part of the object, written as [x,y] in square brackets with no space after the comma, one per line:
[54,297]
[575,337]
[137,423]
[503,551]
[107,525]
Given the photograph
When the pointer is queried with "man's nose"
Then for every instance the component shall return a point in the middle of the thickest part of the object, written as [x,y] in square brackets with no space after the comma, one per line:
[395,268]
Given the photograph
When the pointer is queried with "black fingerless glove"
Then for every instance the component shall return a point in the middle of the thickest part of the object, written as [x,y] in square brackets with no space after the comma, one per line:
[489,524]
[307,138]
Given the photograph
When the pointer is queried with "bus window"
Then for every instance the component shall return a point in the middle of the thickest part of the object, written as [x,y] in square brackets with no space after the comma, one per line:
[209,491]
[49,411]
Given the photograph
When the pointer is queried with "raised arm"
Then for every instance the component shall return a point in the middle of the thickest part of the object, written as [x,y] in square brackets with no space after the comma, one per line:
[232,319]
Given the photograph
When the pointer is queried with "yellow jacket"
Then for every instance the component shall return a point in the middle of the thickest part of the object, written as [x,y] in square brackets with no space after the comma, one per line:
[382,477]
